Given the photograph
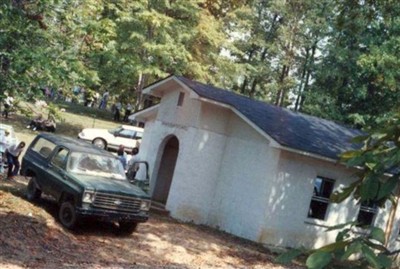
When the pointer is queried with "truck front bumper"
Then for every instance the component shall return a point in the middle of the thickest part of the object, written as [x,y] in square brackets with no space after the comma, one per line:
[108,215]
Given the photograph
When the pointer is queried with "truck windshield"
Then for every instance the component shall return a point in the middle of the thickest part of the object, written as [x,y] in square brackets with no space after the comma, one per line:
[96,165]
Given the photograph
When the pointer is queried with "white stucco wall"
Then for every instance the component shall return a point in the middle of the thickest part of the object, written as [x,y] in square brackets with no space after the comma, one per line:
[198,163]
[286,221]
[239,201]
[185,115]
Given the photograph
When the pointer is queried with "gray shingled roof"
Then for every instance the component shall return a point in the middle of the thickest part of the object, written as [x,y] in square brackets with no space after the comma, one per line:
[288,128]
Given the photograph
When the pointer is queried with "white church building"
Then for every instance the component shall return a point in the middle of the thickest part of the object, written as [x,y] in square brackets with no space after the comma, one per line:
[252,169]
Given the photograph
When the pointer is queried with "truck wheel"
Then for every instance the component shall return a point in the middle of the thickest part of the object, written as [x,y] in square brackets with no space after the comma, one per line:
[67,215]
[127,227]
[99,142]
[32,192]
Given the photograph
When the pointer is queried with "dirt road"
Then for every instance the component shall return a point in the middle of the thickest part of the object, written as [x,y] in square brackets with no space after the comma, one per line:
[31,237]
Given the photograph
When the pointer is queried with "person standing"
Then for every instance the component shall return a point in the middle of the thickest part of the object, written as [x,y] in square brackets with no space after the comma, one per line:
[12,155]
[8,103]
[4,144]
[122,156]
[128,111]
[133,166]
[117,112]
[104,100]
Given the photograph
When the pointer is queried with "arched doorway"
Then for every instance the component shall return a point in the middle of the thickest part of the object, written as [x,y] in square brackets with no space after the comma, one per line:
[166,170]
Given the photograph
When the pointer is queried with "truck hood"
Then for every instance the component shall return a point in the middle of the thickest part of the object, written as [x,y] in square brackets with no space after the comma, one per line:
[102,184]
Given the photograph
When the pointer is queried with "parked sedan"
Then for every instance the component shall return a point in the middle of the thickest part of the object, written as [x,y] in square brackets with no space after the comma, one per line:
[128,136]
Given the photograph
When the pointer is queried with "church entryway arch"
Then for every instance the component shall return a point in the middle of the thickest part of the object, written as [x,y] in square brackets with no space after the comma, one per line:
[166,170]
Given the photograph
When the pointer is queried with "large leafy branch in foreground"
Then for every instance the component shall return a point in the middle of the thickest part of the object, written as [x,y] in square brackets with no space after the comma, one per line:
[377,163]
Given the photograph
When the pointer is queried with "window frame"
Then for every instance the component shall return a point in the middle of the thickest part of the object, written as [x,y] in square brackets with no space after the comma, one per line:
[320,198]
[42,143]
[366,208]
[64,164]
[130,133]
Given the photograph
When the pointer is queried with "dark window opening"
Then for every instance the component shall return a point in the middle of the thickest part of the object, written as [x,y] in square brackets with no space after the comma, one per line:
[323,188]
[366,215]
[180,99]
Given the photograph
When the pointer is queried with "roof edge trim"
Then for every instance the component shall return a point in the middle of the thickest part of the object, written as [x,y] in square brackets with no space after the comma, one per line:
[272,141]
[151,87]
[309,154]
[144,113]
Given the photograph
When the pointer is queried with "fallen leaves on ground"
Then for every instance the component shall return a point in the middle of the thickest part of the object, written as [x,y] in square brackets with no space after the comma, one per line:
[31,237]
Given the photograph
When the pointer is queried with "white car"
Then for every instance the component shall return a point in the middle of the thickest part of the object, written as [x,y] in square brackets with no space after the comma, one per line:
[128,136]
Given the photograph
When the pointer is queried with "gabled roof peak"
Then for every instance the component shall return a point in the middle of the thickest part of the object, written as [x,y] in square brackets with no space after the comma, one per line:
[290,129]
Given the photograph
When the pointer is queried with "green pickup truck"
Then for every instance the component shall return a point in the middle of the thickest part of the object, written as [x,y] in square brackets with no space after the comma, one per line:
[86,182]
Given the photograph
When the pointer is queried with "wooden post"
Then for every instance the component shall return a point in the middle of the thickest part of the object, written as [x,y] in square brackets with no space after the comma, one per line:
[389,225]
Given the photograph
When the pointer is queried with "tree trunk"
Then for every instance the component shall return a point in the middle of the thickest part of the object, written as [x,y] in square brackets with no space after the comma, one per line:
[390,223]
[284,91]
[244,85]
[281,92]
[252,92]
[302,80]
[309,71]
[139,91]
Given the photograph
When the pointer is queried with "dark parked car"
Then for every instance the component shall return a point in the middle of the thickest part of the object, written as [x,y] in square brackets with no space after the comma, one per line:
[85,180]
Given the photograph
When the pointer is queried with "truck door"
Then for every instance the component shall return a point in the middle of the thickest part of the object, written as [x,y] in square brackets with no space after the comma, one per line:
[56,173]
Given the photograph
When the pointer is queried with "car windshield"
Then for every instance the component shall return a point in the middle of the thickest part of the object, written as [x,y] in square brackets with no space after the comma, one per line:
[115,130]
[96,165]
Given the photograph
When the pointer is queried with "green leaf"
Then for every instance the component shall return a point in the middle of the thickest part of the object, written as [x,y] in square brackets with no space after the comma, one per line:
[340,226]
[356,161]
[387,188]
[350,154]
[379,136]
[371,166]
[342,235]
[318,260]
[360,139]
[351,249]
[385,261]
[369,188]
[334,246]
[377,234]
[341,195]
[371,257]
[289,256]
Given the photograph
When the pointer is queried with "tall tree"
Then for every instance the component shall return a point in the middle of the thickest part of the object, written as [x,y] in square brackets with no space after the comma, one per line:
[275,44]
[157,38]
[359,70]
[42,43]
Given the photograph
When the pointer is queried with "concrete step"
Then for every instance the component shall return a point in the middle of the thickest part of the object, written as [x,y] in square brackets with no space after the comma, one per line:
[158,208]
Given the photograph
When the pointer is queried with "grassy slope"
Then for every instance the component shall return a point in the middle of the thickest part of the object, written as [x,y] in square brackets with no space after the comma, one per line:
[74,119]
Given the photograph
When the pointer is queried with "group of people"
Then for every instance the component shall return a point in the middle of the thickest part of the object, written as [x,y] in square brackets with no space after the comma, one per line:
[41,124]
[116,109]
[123,157]
[9,154]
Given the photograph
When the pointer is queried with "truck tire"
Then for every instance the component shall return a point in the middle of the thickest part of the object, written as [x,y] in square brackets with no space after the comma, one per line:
[32,191]
[67,215]
[127,227]
[100,143]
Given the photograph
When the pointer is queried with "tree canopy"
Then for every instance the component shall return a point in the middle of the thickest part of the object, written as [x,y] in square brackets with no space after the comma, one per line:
[333,59]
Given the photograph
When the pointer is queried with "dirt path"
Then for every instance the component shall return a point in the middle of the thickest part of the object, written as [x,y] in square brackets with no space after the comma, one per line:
[30,237]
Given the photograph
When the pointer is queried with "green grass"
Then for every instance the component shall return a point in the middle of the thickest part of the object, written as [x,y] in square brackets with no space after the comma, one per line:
[74,119]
